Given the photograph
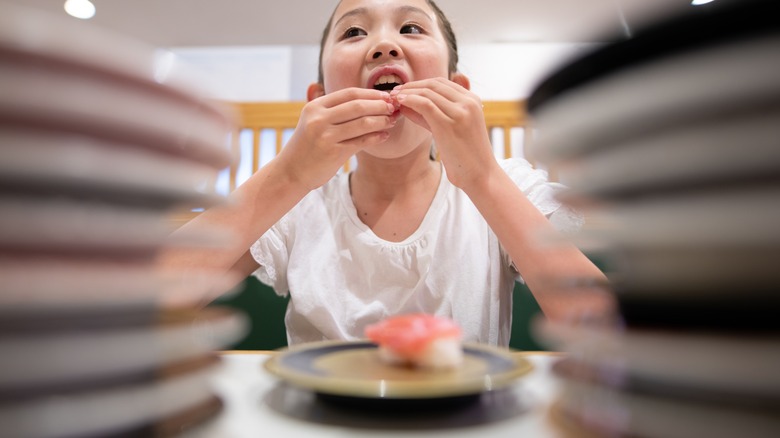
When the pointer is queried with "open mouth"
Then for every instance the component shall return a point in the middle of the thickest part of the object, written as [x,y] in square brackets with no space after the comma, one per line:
[387,82]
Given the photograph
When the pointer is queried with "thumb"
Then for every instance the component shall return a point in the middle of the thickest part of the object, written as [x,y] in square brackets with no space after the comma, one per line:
[415,117]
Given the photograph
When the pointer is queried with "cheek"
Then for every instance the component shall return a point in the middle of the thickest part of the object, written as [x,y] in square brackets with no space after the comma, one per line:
[431,63]
[339,72]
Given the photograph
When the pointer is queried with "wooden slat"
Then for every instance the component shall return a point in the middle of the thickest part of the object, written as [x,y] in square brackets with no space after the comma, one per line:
[279,132]
[235,145]
[507,141]
[256,135]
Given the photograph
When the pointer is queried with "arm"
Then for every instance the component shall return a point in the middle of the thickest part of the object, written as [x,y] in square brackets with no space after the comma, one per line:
[545,266]
[331,129]
[454,116]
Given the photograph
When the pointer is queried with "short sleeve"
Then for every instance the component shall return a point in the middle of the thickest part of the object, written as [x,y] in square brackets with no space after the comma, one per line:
[537,187]
[270,251]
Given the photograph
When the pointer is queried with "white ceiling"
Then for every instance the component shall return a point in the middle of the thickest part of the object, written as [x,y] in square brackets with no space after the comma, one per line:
[182,23]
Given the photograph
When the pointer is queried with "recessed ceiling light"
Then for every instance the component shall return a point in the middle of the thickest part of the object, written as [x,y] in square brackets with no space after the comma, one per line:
[83,9]
[701,2]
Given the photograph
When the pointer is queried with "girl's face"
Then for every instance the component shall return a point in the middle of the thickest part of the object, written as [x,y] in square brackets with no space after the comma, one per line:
[378,43]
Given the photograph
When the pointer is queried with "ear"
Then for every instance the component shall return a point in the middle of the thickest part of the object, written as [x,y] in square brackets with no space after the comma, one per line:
[461,79]
[314,91]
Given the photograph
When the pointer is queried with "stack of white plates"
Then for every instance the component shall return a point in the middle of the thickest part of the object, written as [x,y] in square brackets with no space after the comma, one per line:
[670,144]
[100,137]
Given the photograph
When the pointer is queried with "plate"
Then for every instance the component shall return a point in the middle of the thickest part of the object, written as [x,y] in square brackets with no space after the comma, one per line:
[57,224]
[619,377]
[679,33]
[72,350]
[673,92]
[732,217]
[704,242]
[744,364]
[70,163]
[107,411]
[707,271]
[39,284]
[34,34]
[82,101]
[617,413]
[61,43]
[712,153]
[353,368]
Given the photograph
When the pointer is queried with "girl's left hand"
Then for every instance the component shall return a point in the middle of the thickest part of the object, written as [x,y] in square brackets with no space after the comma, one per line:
[454,116]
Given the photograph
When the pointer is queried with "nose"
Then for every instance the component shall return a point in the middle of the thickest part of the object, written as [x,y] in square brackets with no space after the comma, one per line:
[393,53]
[385,48]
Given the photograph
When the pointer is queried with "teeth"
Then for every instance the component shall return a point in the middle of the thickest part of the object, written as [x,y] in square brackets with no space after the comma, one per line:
[388,79]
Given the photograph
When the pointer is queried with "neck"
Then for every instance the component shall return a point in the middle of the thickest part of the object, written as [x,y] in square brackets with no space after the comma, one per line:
[388,178]
[392,196]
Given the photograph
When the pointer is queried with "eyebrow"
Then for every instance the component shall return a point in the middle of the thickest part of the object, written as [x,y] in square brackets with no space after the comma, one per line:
[363,11]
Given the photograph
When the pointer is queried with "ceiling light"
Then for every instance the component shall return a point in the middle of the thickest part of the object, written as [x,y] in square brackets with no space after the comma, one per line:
[700,2]
[83,9]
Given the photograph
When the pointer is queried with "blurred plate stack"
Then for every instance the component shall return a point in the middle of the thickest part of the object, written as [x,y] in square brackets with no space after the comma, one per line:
[101,138]
[670,143]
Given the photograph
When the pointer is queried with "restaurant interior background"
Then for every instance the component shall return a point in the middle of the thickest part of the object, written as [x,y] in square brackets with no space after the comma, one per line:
[267,51]
[666,135]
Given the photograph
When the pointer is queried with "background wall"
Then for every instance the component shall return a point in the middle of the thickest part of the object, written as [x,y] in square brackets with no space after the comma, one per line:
[507,71]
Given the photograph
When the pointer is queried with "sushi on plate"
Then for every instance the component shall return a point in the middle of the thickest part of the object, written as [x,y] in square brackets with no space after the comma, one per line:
[418,340]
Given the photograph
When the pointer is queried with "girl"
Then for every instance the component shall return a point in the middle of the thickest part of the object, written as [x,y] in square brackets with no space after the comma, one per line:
[403,232]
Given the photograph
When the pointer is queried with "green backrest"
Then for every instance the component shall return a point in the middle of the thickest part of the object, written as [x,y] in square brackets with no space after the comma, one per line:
[266,310]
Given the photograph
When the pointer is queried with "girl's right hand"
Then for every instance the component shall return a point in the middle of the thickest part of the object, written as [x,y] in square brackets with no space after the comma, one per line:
[334,127]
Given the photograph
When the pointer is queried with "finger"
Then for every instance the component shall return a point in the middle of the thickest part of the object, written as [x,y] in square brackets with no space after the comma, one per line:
[427,104]
[345,95]
[357,109]
[351,103]
[449,89]
[353,145]
[431,103]
[415,117]
[458,96]
[346,132]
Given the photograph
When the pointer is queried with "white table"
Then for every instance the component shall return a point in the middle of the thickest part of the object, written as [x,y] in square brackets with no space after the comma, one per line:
[257,404]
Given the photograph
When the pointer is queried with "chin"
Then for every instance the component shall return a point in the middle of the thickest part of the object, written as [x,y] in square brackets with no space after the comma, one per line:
[405,139]
[389,150]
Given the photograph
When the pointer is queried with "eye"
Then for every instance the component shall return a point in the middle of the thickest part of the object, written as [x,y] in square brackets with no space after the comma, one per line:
[411,28]
[353,32]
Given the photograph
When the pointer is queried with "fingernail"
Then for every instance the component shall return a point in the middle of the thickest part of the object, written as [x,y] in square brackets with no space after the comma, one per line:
[390,107]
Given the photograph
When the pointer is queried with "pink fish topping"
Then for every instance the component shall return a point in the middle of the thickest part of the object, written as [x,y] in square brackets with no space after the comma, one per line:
[408,335]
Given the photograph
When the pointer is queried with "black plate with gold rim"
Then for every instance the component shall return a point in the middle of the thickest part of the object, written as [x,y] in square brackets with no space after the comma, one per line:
[354,369]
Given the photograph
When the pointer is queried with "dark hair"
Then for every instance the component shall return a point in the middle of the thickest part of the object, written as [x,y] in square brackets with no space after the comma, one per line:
[444,24]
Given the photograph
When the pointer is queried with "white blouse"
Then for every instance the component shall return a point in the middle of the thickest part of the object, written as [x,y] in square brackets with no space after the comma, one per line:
[341,277]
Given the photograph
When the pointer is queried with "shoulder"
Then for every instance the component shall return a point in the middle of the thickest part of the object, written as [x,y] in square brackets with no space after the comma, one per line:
[327,194]
[318,204]
[534,183]
[524,174]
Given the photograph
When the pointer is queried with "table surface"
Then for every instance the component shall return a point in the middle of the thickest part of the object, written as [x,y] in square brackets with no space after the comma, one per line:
[256,403]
